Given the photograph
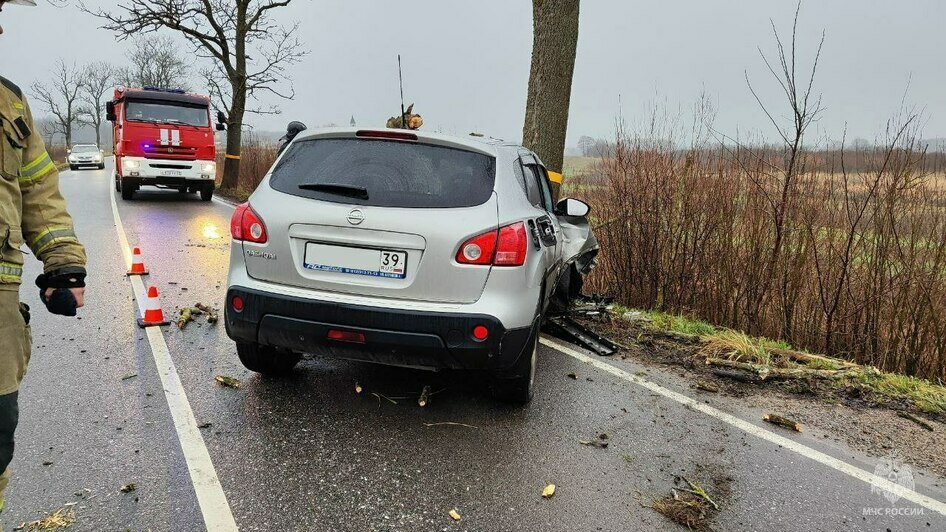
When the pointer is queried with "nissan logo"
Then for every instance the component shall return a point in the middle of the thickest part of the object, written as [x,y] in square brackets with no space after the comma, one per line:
[355,217]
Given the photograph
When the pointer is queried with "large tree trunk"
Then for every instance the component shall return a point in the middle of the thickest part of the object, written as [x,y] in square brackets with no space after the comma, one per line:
[555,39]
[231,164]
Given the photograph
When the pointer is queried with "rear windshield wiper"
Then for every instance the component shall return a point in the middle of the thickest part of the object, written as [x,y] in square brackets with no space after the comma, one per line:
[337,189]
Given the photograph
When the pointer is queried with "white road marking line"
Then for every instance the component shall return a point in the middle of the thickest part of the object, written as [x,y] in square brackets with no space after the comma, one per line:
[213,502]
[745,426]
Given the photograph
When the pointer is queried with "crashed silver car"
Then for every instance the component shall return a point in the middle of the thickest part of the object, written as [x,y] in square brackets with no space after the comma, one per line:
[404,248]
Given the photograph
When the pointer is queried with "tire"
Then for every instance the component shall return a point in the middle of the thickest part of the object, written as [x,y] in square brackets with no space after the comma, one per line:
[182,190]
[73,167]
[266,359]
[517,385]
[127,188]
[102,166]
[207,192]
[118,186]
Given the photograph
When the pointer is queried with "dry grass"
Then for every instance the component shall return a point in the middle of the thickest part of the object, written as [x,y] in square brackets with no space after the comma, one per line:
[61,519]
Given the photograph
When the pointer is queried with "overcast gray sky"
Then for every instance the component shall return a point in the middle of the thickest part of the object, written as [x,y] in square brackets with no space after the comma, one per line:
[466,64]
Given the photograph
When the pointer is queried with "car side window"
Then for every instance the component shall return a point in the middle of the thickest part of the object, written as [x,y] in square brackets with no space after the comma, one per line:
[533,192]
[540,193]
[545,187]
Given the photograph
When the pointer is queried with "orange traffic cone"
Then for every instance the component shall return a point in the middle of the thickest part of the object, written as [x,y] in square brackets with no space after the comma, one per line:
[137,263]
[153,315]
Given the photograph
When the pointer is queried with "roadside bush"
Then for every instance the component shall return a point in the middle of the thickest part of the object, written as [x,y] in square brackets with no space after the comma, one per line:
[795,246]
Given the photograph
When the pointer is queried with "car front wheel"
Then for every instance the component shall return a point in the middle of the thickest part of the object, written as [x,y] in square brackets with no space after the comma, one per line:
[517,385]
[207,192]
[266,359]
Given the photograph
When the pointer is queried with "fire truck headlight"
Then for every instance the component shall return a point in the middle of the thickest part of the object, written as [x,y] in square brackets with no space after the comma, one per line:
[131,164]
[208,168]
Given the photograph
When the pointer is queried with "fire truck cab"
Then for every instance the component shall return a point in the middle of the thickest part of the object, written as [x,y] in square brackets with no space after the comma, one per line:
[163,138]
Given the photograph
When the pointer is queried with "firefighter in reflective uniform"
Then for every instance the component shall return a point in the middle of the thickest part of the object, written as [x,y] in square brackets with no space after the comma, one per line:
[32,211]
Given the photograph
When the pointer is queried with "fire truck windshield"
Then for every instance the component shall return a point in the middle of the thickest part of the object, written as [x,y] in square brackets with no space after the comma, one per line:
[167,113]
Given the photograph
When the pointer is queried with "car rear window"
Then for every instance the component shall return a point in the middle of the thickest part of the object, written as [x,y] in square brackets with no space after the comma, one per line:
[393,173]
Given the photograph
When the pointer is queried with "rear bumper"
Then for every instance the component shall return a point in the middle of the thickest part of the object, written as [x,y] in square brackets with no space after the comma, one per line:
[410,338]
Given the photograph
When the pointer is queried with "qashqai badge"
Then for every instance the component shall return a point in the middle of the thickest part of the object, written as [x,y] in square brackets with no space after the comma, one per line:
[355,217]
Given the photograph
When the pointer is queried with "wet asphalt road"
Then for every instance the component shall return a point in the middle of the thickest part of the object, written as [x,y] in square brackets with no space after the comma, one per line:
[307,453]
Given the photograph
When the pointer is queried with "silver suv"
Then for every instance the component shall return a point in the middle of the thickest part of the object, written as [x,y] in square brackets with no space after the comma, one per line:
[403,248]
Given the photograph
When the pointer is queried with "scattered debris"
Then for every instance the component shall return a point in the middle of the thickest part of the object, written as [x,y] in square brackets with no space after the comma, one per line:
[47,463]
[628,458]
[358,388]
[83,494]
[382,396]
[918,420]
[128,488]
[132,376]
[706,387]
[600,442]
[454,514]
[549,491]
[572,376]
[424,397]
[185,316]
[571,331]
[211,312]
[698,490]
[688,510]
[229,382]
[60,519]
[776,419]
[188,314]
[450,423]
[205,425]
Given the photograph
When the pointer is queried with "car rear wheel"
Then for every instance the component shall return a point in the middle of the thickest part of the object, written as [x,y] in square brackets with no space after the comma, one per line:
[517,385]
[266,359]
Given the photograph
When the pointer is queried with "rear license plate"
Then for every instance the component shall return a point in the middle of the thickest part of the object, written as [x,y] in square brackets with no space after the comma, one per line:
[357,261]
[172,173]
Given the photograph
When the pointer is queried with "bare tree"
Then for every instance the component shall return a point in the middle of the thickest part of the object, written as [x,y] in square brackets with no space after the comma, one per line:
[779,183]
[97,79]
[60,96]
[249,52]
[555,39]
[154,62]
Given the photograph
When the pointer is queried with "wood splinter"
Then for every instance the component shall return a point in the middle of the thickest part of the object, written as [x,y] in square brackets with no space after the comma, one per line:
[424,398]
[776,419]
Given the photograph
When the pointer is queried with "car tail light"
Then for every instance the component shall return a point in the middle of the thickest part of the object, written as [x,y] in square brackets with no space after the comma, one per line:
[246,225]
[511,250]
[503,247]
[346,336]
[478,250]
[237,303]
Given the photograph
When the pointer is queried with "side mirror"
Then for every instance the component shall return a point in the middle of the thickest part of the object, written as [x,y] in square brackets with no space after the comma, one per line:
[110,111]
[101,152]
[221,126]
[572,207]
[221,118]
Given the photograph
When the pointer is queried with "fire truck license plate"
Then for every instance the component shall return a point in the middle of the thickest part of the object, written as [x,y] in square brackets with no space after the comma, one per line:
[172,173]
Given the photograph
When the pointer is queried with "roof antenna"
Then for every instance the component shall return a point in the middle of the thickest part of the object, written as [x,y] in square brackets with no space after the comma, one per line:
[400,78]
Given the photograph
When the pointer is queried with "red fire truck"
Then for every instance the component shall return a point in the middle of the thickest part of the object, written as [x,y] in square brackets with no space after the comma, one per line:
[163,138]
